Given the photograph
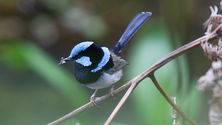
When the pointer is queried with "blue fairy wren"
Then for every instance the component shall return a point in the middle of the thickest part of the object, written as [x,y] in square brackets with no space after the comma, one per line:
[98,67]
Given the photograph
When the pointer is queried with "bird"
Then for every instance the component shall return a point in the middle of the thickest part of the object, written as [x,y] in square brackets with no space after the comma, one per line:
[98,67]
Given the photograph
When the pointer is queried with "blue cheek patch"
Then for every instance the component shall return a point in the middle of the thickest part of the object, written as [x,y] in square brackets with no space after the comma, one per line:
[84,60]
[104,60]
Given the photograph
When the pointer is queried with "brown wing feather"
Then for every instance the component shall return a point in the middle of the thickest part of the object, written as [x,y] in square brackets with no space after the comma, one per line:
[118,62]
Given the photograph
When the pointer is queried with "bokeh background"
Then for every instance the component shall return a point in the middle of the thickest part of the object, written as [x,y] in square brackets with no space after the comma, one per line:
[35,34]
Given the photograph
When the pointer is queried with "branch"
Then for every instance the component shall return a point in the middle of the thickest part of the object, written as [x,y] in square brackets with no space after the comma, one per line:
[169,100]
[157,65]
[141,76]
[120,104]
[89,105]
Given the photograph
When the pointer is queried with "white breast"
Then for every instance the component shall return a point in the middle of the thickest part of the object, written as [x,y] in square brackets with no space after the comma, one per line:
[106,80]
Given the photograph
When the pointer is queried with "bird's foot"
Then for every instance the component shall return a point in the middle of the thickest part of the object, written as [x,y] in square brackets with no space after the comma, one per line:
[93,100]
[93,97]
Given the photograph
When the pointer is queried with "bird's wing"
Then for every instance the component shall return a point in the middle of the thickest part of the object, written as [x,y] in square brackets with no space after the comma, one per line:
[118,62]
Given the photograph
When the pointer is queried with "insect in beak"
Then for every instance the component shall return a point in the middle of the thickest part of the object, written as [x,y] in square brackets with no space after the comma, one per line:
[63,60]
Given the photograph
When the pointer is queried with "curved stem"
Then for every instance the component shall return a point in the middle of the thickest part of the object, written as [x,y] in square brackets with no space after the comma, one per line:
[121,102]
[159,64]
[141,76]
[89,105]
[169,100]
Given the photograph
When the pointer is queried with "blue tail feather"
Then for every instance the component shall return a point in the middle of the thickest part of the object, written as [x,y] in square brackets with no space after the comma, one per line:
[131,29]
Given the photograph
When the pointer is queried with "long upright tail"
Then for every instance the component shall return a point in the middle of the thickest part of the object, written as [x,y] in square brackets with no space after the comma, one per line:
[131,29]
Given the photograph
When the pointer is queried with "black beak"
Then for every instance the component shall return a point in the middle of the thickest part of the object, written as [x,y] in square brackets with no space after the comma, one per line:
[63,60]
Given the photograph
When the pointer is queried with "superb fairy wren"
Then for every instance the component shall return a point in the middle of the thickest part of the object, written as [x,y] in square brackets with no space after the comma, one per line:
[98,67]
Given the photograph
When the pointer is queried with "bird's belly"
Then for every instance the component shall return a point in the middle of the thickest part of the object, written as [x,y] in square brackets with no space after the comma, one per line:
[106,80]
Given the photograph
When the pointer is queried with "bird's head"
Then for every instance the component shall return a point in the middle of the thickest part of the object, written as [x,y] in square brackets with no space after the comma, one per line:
[76,53]
[91,56]
[85,53]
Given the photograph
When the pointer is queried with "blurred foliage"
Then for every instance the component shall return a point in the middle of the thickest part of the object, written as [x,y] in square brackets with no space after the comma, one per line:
[34,34]
[28,55]
[151,48]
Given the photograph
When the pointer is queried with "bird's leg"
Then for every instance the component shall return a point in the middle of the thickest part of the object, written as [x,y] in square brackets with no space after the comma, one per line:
[93,97]
[112,90]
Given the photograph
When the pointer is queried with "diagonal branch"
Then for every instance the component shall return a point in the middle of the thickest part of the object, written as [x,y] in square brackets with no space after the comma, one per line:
[169,100]
[159,64]
[140,77]
[89,105]
[120,104]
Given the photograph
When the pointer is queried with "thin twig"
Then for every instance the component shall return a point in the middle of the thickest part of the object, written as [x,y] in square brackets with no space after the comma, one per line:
[122,101]
[141,76]
[174,113]
[157,65]
[89,105]
[169,100]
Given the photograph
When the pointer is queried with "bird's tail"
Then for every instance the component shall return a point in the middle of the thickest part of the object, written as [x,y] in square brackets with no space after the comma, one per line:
[131,29]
